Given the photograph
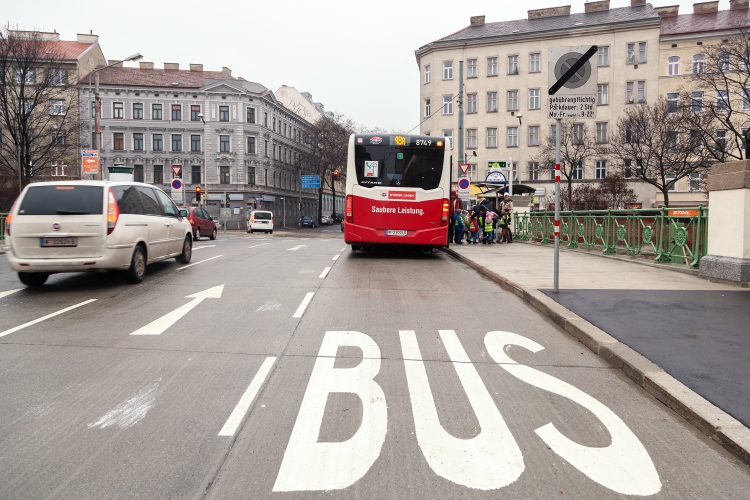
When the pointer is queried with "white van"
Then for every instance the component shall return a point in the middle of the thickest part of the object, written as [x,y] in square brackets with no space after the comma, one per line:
[260,220]
[74,226]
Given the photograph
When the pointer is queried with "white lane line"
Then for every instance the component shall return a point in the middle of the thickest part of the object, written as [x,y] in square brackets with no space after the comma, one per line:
[294,249]
[8,292]
[336,257]
[343,249]
[234,420]
[43,318]
[258,245]
[196,263]
[204,246]
[324,273]
[301,309]
[256,238]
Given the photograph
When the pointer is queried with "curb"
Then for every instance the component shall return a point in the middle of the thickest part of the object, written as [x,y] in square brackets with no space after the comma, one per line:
[705,416]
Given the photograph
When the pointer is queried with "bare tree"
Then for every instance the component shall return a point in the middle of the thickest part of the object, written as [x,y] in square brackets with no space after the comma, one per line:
[330,144]
[657,143]
[38,119]
[615,192]
[577,146]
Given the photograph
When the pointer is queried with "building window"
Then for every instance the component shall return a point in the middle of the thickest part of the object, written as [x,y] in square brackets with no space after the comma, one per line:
[512,100]
[638,58]
[602,56]
[492,137]
[448,135]
[471,68]
[58,169]
[176,142]
[251,175]
[195,111]
[472,172]
[223,113]
[553,132]
[694,179]
[641,91]
[577,172]
[471,138]
[176,112]
[224,144]
[448,70]
[251,145]
[534,99]
[195,143]
[250,115]
[265,120]
[427,108]
[535,62]
[673,102]
[602,94]
[427,74]
[723,61]
[671,182]
[447,104]
[265,148]
[745,100]
[156,112]
[601,133]
[27,76]
[512,65]
[601,169]
[138,173]
[699,63]
[721,139]
[673,66]
[58,138]
[158,174]
[491,102]
[137,142]
[273,123]
[512,137]
[630,87]
[58,76]
[138,111]
[629,93]
[118,141]
[158,142]
[722,101]
[57,107]
[195,174]
[534,135]
[578,132]
[117,110]
[471,103]
[492,66]
[224,173]
[533,169]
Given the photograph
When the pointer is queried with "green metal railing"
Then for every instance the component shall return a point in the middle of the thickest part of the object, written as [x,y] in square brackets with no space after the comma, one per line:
[2,225]
[678,236]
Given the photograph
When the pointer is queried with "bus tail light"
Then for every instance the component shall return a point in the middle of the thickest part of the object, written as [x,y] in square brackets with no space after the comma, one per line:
[446,211]
[113,212]
[349,208]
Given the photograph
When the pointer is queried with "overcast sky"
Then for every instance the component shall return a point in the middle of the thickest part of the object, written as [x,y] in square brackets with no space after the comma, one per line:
[356,58]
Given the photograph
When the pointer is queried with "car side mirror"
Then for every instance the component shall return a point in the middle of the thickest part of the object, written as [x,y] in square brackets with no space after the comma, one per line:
[183,213]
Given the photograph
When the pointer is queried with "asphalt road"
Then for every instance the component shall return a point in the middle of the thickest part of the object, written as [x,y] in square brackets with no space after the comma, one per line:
[258,373]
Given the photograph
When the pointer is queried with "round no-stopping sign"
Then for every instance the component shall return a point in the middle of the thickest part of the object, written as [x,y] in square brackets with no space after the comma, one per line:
[176,184]
[463,183]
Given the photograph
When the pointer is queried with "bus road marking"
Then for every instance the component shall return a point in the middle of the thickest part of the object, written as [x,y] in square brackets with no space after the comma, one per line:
[235,418]
[254,246]
[43,318]
[301,309]
[8,292]
[324,273]
[196,263]
[336,257]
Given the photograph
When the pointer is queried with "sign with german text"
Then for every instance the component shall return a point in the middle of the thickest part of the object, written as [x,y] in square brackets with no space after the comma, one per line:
[90,161]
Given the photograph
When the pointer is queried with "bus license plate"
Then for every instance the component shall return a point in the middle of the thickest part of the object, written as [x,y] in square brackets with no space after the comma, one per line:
[58,242]
[395,232]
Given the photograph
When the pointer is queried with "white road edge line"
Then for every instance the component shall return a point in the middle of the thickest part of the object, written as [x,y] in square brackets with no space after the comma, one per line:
[196,263]
[9,292]
[205,246]
[43,318]
[342,249]
[324,273]
[336,257]
[258,245]
[301,309]
[230,427]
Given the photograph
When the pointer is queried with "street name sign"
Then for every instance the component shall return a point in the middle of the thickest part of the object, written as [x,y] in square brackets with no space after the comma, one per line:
[573,82]
[310,181]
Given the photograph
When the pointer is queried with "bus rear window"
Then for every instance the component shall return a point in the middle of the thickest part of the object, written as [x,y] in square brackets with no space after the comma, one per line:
[393,166]
[63,200]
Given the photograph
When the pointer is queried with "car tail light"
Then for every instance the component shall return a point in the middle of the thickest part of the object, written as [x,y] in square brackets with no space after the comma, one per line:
[272,221]
[349,208]
[252,219]
[113,212]
[191,221]
[9,219]
[446,211]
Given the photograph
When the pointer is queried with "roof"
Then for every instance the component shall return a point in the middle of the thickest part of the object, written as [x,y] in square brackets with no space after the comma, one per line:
[68,50]
[141,77]
[701,23]
[557,23]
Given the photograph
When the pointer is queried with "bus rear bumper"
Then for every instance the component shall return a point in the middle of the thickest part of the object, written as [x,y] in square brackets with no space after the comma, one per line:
[361,235]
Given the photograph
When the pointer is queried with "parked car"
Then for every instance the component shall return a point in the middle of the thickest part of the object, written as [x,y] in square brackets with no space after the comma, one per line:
[260,220]
[308,221]
[217,222]
[326,220]
[202,223]
[74,226]
[337,218]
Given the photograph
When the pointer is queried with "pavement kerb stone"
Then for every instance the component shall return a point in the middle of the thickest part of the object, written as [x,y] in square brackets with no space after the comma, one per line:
[706,417]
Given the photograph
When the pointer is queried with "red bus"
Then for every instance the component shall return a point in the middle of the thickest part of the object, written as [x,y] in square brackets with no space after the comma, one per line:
[397,191]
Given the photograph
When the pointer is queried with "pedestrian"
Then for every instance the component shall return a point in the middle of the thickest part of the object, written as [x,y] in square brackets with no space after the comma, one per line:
[488,229]
[458,227]
[465,219]
[473,230]
[508,210]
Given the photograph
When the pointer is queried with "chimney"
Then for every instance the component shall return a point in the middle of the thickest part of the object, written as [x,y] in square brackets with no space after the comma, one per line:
[550,12]
[477,20]
[115,63]
[146,65]
[670,11]
[600,6]
[637,3]
[706,7]
[738,4]
[196,67]
[171,66]
[226,71]
[87,38]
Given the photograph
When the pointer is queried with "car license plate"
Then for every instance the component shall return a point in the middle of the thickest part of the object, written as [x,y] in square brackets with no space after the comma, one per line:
[395,232]
[58,242]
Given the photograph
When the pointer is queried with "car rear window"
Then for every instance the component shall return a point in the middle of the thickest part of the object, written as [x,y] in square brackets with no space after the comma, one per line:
[63,200]
[262,215]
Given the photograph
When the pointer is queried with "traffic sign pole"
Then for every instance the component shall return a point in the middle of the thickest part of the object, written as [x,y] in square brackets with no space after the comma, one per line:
[558,133]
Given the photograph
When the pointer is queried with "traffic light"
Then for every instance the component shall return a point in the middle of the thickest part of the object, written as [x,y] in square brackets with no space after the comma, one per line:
[198,194]
[255,204]
[336,175]
[228,199]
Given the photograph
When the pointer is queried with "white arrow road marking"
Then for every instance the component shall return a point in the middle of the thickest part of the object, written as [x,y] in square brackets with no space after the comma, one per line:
[159,326]
[294,249]
[230,427]
[258,245]
[301,309]
[43,318]
[204,246]
[8,292]
[324,273]
[196,263]
[336,257]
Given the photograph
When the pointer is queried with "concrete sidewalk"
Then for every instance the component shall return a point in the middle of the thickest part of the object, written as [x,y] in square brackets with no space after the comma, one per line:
[682,338]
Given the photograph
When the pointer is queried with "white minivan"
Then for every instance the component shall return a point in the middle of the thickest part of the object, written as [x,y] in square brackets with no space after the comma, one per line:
[74,226]
[260,220]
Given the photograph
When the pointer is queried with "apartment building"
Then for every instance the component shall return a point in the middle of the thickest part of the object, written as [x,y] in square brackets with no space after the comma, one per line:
[506,74]
[230,136]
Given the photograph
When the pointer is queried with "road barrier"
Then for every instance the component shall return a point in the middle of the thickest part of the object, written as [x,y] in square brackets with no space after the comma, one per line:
[673,235]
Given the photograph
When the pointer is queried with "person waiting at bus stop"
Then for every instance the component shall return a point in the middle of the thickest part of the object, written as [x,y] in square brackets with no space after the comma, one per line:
[458,227]
[489,223]
[473,229]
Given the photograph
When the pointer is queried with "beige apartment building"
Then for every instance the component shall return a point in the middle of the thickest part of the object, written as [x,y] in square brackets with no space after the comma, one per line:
[506,75]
